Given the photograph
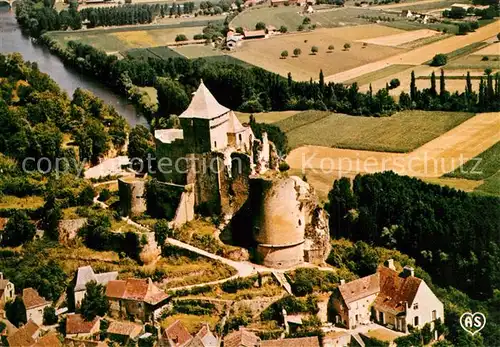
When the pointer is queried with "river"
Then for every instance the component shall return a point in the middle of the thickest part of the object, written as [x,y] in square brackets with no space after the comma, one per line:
[12,40]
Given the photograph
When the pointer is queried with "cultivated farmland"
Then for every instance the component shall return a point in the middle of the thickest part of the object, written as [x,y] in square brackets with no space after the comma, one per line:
[401,38]
[266,54]
[493,49]
[197,51]
[402,132]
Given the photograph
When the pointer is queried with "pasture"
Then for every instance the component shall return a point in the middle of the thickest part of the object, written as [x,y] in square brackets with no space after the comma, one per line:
[112,40]
[402,132]
[197,51]
[267,54]
[474,61]
[401,38]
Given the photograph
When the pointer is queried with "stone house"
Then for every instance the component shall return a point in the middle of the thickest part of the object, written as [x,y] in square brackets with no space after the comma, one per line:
[176,335]
[35,305]
[241,338]
[204,338]
[312,341]
[27,335]
[7,290]
[125,330]
[139,298]
[78,327]
[394,299]
[84,275]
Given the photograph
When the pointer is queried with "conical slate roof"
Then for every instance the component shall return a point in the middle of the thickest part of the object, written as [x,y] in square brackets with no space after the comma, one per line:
[203,105]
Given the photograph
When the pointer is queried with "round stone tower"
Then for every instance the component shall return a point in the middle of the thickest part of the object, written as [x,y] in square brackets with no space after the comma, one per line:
[131,191]
[280,218]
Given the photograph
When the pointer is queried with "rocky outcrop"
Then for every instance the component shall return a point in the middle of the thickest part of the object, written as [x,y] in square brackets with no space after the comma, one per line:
[68,229]
[150,251]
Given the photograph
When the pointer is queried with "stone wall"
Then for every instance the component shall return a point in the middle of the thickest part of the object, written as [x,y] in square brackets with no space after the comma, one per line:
[68,229]
[171,165]
[132,196]
[185,210]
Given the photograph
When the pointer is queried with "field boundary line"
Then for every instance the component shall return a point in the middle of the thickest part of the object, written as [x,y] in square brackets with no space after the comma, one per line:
[303,125]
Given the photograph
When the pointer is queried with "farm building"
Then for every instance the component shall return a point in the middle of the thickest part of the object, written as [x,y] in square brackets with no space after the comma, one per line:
[255,34]
[461,6]
[233,40]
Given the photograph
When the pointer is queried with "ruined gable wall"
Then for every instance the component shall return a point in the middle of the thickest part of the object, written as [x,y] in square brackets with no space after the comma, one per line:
[171,168]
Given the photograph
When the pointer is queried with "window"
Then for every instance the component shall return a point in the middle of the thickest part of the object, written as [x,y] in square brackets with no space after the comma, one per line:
[415,306]
[215,144]
[240,137]
[434,314]
[416,321]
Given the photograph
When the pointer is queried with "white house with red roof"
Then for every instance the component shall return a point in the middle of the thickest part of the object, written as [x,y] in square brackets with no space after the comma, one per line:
[392,298]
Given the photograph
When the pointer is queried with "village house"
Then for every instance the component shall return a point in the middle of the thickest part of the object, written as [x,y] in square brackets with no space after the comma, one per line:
[394,299]
[84,275]
[204,338]
[124,331]
[138,298]
[241,338]
[312,341]
[35,305]
[78,327]
[7,292]
[176,335]
[27,335]
[254,34]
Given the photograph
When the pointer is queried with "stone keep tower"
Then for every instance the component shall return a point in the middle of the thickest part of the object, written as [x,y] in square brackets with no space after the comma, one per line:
[285,222]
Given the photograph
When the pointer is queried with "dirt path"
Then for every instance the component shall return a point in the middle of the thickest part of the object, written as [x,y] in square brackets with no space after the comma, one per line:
[435,158]
[419,55]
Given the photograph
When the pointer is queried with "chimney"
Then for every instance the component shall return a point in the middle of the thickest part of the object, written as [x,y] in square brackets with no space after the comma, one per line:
[342,282]
[408,271]
[390,264]
[1,275]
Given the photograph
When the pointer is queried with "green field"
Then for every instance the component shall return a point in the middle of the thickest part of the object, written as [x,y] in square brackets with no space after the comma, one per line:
[402,132]
[491,185]
[475,62]
[376,75]
[154,52]
[484,166]
[197,51]
[406,25]
[428,6]
[289,17]
[265,117]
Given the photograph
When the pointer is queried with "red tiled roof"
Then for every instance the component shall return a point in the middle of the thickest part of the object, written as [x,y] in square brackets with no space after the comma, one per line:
[76,324]
[395,290]
[124,328]
[32,299]
[177,333]
[3,223]
[135,289]
[240,338]
[296,342]
[255,33]
[49,340]
[360,288]
[24,336]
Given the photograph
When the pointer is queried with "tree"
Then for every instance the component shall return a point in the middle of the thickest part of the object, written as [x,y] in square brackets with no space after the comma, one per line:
[300,27]
[297,52]
[464,28]
[16,311]
[413,87]
[86,196]
[394,83]
[439,60]
[162,231]
[171,96]
[283,29]
[433,84]
[260,26]
[49,315]
[347,46]
[331,48]
[442,85]
[94,303]
[51,215]
[284,54]
[314,50]
[140,145]
[306,21]
[18,230]
[181,37]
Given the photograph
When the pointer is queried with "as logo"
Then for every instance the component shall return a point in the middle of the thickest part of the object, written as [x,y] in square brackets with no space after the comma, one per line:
[473,322]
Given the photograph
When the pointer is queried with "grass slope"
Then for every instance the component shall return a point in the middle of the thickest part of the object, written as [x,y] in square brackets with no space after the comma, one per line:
[402,132]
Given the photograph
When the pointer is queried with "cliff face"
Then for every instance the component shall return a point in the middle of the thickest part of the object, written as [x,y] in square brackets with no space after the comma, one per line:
[288,226]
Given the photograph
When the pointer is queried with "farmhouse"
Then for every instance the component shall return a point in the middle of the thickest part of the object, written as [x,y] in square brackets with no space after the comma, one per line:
[176,335]
[35,305]
[395,299]
[138,298]
[84,275]
[125,330]
[254,34]
[26,335]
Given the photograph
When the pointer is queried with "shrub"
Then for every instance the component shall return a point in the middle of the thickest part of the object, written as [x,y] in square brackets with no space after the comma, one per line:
[104,195]
[284,54]
[314,49]
[198,37]
[297,52]
[49,315]
[306,21]
[283,29]
[300,28]
[260,26]
[485,58]
[331,48]
[394,83]
[232,286]
[181,37]
[439,60]
[284,166]
[347,46]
